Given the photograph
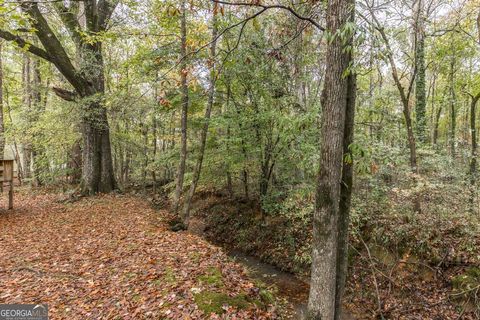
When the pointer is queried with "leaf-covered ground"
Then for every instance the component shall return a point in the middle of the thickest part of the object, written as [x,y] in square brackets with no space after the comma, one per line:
[112,257]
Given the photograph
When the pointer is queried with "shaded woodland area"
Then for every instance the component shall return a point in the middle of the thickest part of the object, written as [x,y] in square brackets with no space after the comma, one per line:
[257,159]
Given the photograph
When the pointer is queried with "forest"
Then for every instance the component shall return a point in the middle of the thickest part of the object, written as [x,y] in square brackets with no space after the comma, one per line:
[239,159]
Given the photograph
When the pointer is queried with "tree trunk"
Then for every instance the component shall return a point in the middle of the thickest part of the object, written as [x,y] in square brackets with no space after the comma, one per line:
[433,105]
[436,124]
[345,196]
[405,99]
[97,171]
[326,221]
[154,155]
[208,111]
[144,131]
[228,173]
[27,102]
[39,162]
[420,92]
[2,125]
[411,138]
[473,155]
[453,114]
[75,163]
[97,174]
[184,85]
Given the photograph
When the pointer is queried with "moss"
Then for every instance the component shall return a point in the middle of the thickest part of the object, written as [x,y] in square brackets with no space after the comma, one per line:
[136,297]
[195,256]
[466,287]
[474,273]
[213,277]
[169,276]
[467,280]
[266,296]
[213,302]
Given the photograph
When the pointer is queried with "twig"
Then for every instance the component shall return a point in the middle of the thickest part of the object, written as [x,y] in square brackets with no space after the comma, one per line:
[379,302]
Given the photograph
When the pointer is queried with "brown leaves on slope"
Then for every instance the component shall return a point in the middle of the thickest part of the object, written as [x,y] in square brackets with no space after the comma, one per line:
[110,257]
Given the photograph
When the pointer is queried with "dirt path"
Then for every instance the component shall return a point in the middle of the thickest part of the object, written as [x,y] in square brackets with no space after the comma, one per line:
[111,257]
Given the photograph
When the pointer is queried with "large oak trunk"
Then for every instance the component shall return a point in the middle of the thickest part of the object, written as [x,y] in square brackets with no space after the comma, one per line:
[98,173]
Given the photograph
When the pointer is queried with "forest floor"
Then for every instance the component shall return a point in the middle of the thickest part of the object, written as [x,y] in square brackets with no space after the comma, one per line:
[113,257]
[382,283]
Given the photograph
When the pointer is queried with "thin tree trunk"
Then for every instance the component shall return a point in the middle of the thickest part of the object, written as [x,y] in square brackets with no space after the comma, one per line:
[208,111]
[433,105]
[405,98]
[27,102]
[38,150]
[144,130]
[436,124]
[154,156]
[453,115]
[473,155]
[184,85]
[244,173]
[229,173]
[2,125]
[323,289]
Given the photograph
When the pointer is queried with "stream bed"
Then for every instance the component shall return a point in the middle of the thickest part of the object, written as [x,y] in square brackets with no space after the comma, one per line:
[291,288]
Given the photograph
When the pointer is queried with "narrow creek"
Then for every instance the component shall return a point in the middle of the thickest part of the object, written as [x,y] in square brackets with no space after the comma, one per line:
[290,287]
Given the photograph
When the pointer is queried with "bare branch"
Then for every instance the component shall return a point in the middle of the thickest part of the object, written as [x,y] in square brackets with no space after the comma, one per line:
[274,6]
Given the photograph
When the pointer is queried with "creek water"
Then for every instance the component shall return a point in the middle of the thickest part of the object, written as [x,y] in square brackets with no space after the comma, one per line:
[291,288]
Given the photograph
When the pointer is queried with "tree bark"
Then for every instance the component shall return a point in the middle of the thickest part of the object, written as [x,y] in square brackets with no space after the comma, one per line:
[453,114]
[184,87]
[345,196]
[27,102]
[420,92]
[144,132]
[154,155]
[326,221]
[436,125]
[473,155]
[39,162]
[2,125]
[97,173]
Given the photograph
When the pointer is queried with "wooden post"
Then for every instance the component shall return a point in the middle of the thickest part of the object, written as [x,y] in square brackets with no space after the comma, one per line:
[10,196]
